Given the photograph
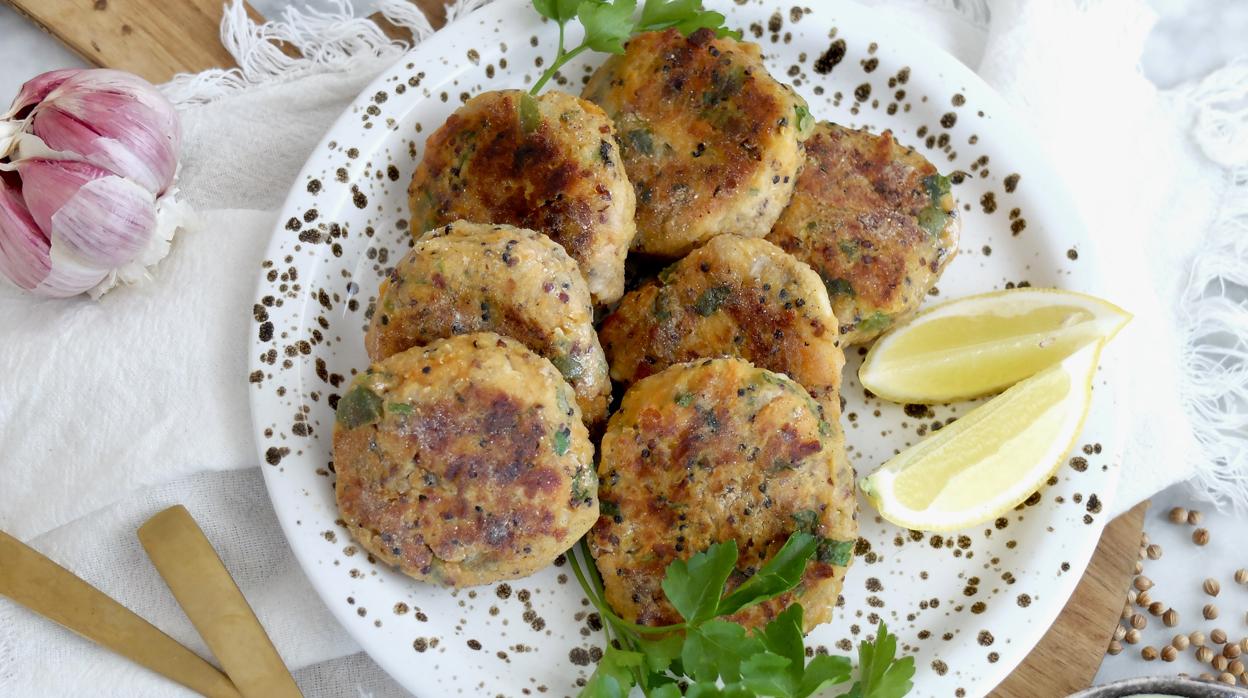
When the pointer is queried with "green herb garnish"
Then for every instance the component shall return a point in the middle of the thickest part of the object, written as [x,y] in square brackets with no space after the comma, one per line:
[530,113]
[609,23]
[838,287]
[804,120]
[562,440]
[874,322]
[933,217]
[707,655]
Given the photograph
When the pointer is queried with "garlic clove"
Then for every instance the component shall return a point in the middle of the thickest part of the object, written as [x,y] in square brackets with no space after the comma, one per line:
[37,88]
[100,219]
[114,120]
[24,251]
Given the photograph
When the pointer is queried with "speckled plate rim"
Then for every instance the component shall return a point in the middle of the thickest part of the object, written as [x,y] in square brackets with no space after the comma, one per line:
[912,48]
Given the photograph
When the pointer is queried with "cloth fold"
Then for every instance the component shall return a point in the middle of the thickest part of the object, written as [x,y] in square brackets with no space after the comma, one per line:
[110,411]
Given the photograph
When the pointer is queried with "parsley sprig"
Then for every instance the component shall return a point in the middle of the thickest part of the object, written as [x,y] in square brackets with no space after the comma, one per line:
[707,656]
[609,23]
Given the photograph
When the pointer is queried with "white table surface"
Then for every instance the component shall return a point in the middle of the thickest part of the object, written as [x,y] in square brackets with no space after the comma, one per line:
[1192,37]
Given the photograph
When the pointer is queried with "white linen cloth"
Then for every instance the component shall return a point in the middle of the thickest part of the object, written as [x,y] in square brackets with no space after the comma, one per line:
[110,411]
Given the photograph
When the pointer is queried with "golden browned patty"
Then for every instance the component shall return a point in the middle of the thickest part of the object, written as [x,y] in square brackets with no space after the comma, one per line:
[464,462]
[712,451]
[875,220]
[469,277]
[733,296]
[710,140]
[550,163]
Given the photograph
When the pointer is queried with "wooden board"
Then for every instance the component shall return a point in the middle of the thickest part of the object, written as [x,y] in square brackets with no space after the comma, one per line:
[1071,651]
[157,38]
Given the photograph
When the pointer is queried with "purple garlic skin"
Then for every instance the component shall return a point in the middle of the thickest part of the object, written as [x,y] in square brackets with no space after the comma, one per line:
[87,164]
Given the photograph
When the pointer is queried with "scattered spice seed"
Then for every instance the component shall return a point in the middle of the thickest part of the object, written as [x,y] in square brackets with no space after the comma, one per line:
[1138,621]
[1115,647]
[1231,651]
[1220,663]
[1178,515]
[1127,612]
[1131,596]
[1218,636]
[1241,576]
[1195,517]
[1197,638]
[1149,653]
[1204,655]
[1133,636]
[1139,567]
[1119,632]
[1200,536]
[1209,612]
[1211,586]
[1180,641]
[1143,583]
[1143,599]
[1206,676]
[1156,608]
[1236,667]
[1171,619]
[1243,644]
[1226,679]
[1154,552]
[1169,653]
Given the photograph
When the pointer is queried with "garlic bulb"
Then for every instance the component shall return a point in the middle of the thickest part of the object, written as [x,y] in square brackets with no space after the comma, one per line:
[87,163]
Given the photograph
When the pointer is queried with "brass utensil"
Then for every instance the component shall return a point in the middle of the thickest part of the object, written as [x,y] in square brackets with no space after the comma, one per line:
[213,602]
[46,588]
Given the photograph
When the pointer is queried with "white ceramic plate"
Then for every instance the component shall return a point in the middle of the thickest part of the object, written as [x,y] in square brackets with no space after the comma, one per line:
[968,606]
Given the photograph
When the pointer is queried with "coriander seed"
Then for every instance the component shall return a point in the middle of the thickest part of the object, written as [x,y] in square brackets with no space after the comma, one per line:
[1142,599]
[1143,583]
[1197,638]
[1241,576]
[1220,663]
[1243,645]
[1231,651]
[1115,647]
[1119,632]
[1236,667]
[1206,676]
[1169,653]
[1226,679]
[1132,637]
[1195,517]
[1139,567]
[1131,595]
[1218,636]
[1156,608]
[1171,619]
[1154,552]
[1211,586]
[1178,515]
[1180,641]
[1204,655]
[1138,621]
[1209,612]
[1200,536]
[1149,653]
[1127,612]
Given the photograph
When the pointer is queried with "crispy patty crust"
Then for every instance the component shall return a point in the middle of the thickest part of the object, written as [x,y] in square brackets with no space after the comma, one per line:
[710,140]
[875,220]
[464,462]
[469,277]
[711,451]
[549,163]
[733,296]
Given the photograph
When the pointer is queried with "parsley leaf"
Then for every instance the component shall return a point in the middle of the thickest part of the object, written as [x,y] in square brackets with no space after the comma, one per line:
[881,674]
[783,637]
[769,674]
[694,586]
[824,670]
[360,406]
[607,24]
[661,651]
[716,649]
[780,574]
[558,10]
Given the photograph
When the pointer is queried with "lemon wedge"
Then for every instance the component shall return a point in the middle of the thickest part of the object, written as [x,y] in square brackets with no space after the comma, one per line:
[982,344]
[993,457]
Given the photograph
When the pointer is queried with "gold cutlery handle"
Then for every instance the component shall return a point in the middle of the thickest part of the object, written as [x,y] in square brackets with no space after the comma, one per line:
[213,602]
[34,581]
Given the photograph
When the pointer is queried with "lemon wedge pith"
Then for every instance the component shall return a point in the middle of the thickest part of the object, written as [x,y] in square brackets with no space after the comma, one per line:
[982,344]
[993,457]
